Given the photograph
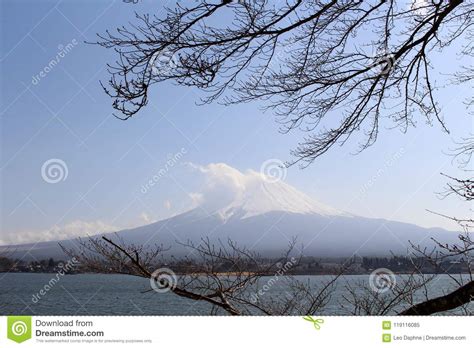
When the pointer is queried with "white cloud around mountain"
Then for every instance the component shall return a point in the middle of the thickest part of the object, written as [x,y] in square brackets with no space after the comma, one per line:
[222,185]
[227,190]
[76,228]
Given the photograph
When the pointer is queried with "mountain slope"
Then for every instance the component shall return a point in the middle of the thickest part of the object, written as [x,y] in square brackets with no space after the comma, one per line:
[270,233]
[263,214]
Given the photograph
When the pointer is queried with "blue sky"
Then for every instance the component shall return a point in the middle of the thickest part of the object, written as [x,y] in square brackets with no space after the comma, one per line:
[65,115]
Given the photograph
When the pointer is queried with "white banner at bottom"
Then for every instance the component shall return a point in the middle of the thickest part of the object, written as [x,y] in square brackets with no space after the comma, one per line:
[196,332]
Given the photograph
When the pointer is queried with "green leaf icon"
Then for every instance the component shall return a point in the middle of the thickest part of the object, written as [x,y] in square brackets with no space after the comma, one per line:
[316,321]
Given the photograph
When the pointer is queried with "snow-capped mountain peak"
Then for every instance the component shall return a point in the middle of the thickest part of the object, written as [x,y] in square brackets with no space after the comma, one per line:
[230,193]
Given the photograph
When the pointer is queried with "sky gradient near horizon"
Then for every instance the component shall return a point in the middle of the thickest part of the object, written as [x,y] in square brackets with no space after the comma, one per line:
[64,114]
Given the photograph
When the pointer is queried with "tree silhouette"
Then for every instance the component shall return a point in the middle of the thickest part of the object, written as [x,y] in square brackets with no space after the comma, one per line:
[331,68]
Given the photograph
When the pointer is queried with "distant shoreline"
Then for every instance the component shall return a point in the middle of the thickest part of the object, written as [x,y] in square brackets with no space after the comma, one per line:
[307,265]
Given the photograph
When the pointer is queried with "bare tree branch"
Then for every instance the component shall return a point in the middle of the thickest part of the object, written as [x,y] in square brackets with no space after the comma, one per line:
[331,68]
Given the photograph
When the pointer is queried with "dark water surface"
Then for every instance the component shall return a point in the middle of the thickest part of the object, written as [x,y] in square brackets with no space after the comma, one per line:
[93,294]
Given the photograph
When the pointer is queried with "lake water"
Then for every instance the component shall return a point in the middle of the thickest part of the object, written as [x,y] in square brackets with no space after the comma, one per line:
[94,294]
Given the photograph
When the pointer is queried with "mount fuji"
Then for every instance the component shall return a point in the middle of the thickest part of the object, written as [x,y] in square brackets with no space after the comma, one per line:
[264,214]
